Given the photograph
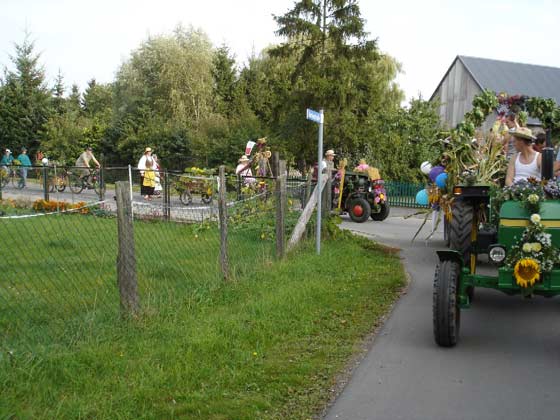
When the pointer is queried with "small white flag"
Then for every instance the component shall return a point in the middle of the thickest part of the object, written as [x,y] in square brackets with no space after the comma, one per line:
[249,147]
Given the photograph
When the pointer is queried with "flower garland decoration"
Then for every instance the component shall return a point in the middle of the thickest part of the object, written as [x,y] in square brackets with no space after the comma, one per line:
[532,254]
[531,193]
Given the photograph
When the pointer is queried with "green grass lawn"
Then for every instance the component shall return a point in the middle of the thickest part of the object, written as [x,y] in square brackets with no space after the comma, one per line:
[267,344]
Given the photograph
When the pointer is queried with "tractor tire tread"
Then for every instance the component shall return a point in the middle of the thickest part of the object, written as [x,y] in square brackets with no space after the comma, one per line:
[460,229]
[446,311]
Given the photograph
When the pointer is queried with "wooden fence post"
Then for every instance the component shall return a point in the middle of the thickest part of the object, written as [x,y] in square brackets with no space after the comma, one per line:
[222,209]
[126,259]
[281,193]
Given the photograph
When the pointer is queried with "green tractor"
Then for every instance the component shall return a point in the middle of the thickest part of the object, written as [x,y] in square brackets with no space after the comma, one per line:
[456,276]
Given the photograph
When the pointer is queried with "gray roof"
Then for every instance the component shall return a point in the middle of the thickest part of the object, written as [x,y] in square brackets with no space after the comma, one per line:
[514,78]
[511,78]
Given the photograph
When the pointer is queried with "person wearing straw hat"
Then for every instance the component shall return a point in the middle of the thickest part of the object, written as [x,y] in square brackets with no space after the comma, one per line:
[526,163]
[142,163]
[148,180]
[243,170]
[328,160]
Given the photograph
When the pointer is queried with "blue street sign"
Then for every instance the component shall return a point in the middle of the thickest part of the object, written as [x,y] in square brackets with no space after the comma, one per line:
[315,116]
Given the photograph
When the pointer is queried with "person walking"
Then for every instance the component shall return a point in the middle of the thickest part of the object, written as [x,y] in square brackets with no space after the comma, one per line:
[157,169]
[148,180]
[328,160]
[142,163]
[25,163]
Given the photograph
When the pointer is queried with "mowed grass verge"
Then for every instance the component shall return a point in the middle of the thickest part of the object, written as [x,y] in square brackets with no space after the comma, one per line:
[267,345]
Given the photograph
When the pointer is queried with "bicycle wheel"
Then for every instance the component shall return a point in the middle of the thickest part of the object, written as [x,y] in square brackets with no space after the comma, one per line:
[75,183]
[186,197]
[98,188]
[4,177]
[60,183]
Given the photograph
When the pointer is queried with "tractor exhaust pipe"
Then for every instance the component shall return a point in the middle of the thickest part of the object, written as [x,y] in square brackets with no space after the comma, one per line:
[547,169]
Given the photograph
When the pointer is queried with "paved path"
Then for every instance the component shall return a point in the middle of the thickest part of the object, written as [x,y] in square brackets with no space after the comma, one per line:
[505,366]
[197,211]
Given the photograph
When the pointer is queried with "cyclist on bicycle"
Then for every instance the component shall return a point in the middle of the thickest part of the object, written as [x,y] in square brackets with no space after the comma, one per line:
[83,162]
[7,160]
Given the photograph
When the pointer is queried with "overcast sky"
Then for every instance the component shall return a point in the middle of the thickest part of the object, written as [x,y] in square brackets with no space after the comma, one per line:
[88,39]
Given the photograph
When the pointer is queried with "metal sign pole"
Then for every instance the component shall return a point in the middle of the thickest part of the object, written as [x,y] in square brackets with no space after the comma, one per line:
[318,118]
[319,179]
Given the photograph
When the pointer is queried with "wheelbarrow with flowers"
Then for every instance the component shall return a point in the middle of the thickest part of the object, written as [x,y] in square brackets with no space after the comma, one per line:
[195,181]
[361,194]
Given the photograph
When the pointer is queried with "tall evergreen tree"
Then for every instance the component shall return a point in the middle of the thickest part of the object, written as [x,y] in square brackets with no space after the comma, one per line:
[74,100]
[25,99]
[225,75]
[97,100]
[337,67]
[58,100]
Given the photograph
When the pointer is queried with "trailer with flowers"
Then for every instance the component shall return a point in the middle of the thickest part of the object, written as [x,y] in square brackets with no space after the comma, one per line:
[517,226]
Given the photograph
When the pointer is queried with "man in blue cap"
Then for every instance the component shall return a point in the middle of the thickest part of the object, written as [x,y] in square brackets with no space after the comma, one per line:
[25,165]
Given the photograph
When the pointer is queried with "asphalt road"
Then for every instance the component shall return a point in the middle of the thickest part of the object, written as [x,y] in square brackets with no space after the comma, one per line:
[34,191]
[505,366]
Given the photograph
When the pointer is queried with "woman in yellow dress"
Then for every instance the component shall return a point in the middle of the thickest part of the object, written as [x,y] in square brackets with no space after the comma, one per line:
[149,181]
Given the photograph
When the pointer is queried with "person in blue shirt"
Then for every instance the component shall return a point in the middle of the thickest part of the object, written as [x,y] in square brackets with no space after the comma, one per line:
[7,158]
[25,165]
[6,162]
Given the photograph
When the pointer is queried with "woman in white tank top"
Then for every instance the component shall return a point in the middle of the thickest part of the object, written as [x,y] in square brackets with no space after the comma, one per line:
[526,163]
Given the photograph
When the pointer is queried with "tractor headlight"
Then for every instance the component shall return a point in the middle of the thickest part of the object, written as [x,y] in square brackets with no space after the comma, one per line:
[497,254]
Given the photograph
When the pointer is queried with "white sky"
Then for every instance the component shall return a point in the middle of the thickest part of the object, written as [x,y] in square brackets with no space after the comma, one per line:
[86,38]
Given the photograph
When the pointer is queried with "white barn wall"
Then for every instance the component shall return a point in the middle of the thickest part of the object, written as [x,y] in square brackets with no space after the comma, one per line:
[455,94]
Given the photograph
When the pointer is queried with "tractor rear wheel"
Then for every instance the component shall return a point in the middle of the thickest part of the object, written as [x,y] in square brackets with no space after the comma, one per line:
[383,213]
[460,228]
[359,210]
[445,305]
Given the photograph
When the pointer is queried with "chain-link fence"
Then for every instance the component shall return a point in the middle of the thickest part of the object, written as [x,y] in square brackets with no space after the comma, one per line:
[62,262]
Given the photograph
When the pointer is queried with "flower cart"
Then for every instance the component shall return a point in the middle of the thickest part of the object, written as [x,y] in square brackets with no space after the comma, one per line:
[195,181]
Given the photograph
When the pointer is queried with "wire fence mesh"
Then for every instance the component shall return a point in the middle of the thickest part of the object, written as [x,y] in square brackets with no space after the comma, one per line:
[58,274]
[59,265]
